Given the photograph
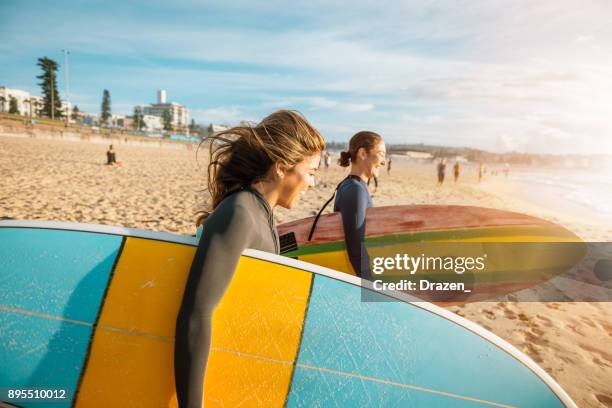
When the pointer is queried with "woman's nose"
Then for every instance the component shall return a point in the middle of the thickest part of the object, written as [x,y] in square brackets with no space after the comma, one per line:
[313,181]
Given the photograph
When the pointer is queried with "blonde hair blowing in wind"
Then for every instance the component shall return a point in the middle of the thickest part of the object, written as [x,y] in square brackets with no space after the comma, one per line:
[243,155]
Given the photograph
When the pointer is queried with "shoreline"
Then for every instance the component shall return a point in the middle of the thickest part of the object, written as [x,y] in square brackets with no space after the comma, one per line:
[578,218]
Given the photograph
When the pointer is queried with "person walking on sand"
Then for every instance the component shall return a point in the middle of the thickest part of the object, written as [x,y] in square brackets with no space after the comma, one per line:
[456,170]
[441,171]
[327,159]
[375,178]
[251,171]
[481,172]
[388,165]
[365,155]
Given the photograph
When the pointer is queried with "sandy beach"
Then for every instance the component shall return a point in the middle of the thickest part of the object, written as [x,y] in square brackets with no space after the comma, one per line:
[162,188]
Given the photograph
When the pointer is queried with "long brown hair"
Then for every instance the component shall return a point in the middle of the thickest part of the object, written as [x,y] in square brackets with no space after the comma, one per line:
[365,139]
[243,155]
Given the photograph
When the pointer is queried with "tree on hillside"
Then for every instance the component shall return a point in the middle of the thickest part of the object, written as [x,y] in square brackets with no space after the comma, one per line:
[51,101]
[2,101]
[75,113]
[106,107]
[138,118]
[13,106]
[167,119]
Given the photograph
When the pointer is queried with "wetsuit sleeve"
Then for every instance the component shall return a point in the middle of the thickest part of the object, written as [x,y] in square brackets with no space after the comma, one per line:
[353,211]
[227,234]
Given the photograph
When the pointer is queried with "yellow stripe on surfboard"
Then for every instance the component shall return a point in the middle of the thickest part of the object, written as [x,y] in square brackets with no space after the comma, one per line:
[130,350]
[258,357]
[149,277]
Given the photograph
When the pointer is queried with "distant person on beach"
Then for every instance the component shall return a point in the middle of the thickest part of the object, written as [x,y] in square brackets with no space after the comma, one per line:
[110,156]
[441,171]
[327,159]
[388,165]
[252,170]
[366,154]
[481,172]
[375,178]
[456,170]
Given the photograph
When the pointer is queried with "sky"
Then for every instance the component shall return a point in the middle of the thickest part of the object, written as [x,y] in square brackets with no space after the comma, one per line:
[497,75]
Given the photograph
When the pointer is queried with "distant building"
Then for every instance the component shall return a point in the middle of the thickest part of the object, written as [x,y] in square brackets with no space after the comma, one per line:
[89,119]
[152,122]
[218,128]
[179,113]
[6,94]
[27,104]
[24,105]
[127,123]
[118,121]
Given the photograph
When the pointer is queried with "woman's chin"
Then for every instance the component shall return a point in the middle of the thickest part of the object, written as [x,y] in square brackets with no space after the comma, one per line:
[294,202]
[288,205]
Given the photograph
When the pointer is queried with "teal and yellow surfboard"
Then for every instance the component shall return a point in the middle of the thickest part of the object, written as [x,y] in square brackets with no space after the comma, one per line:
[91,310]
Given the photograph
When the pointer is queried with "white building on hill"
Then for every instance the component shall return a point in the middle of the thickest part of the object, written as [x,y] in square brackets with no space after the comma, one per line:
[27,105]
[89,119]
[180,114]
[118,120]
[218,128]
[152,122]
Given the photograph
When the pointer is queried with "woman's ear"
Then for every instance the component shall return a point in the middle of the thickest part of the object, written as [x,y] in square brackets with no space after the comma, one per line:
[278,170]
[362,153]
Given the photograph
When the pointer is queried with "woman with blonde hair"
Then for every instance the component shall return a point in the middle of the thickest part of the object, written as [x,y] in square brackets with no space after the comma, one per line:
[251,171]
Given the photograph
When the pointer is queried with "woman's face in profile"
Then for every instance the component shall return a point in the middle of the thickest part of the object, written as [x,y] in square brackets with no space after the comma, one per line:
[297,180]
[375,159]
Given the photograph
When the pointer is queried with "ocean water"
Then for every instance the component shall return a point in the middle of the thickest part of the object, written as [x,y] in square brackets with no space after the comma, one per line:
[585,192]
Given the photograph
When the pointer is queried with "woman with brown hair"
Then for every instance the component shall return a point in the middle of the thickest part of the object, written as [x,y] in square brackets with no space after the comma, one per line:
[251,171]
[366,154]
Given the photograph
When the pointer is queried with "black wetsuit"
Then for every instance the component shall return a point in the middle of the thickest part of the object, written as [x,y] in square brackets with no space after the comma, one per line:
[352,200]
[242,220]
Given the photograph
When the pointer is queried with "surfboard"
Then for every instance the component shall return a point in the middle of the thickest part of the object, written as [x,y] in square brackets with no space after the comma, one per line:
[91,310]
[523,250]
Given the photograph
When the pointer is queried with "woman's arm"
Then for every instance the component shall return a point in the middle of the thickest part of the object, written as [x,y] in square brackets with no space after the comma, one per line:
[353,210]
[228,233]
